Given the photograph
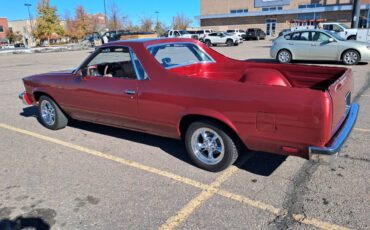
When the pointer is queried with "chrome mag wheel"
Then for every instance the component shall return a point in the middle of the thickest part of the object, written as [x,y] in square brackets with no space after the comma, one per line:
[207,146]
[284,56]
[351,57]
[47,112]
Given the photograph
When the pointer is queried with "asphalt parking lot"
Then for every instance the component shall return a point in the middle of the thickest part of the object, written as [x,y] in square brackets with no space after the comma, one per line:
[89,176]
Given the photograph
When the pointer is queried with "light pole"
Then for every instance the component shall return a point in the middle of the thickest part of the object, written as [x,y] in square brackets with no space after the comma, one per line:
[28,5]
[157,13]
[105,14]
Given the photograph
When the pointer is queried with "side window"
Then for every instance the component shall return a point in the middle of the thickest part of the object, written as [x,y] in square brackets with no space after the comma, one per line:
[177,34]
[337,28]
[213,34]
[288,37]
[113,62]
[320,37]
[328,27]
[178,54]
[295,36]
[305,36]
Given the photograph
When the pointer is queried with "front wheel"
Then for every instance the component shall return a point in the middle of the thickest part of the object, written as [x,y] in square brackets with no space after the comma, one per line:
[351,57]
[50,115]
[210,146]
[284,56]
[208,43]
[229,42]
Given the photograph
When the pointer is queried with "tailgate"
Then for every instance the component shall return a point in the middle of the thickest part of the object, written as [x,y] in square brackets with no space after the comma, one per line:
[340,92]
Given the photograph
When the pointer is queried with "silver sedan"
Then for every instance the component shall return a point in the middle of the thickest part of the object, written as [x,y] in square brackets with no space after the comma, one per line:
[318,45]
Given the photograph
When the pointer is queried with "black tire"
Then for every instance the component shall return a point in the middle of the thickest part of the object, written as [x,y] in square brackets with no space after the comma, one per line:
[60,119]
[284,56]
[229,42]
[351,57]
[353,37]
[231,152]
[236,44]
[208,43]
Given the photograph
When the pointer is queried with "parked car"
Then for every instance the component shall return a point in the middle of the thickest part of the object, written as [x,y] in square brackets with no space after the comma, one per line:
[236,32]
[319,45]
[203,33]
[341,29]
[180,88]
[8,46]
[255,34]
[114,35]
[194,34]
[19,45]
[217,38]
[180,34]
[94,39]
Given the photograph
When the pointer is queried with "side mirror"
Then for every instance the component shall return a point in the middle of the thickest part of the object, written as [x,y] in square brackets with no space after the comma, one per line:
[331,40]
[81,72]
[166,61]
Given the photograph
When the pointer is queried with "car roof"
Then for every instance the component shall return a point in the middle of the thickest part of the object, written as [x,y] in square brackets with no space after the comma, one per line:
[150,41]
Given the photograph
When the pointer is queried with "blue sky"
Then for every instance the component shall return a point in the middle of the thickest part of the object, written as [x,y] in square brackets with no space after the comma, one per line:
[134,9]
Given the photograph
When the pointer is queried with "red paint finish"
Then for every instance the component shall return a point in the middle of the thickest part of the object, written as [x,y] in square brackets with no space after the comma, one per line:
[271,107]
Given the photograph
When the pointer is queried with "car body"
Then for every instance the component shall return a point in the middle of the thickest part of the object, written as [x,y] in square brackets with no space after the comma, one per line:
[236,32]
[180,34]
[180,88]
[8,46]
[254,34]
[203,33]
[94,39]
[19,45]
[319,45]
[341,29]
[218,38]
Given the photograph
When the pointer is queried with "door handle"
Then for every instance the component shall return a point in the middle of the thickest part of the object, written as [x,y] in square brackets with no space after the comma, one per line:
[291,44]
[130,92]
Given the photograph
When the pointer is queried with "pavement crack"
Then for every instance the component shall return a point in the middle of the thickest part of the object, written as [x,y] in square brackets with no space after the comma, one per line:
[293,202]
[357,158]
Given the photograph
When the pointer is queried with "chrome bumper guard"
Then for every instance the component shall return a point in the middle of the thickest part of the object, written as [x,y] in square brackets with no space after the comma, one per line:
[329,153]
[21,96]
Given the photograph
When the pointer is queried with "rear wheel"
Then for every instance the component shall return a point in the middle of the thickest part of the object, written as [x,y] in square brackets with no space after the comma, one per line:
[351,57]
[229,42]
[50,115]
[210,146]
[284,56]
[353,37]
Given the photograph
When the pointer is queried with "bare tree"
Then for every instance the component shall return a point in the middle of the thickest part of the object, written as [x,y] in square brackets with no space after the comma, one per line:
[146,24]
[114,21]
[180,22]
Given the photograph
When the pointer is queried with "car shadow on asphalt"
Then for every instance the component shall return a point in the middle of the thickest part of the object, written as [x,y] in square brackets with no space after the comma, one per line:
[24,223]
[260,163]
[270,60]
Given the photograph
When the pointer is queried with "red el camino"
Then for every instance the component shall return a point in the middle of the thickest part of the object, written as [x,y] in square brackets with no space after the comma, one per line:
[180,88]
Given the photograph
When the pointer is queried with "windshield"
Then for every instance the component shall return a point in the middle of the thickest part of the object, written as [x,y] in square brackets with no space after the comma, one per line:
[344,26]
[335,35]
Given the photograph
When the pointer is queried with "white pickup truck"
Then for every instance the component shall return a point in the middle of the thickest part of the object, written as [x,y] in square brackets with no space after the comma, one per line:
[180,34]
[363,35]
[341,29]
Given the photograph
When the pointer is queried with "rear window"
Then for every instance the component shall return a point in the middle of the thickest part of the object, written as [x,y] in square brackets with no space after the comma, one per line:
[178,54]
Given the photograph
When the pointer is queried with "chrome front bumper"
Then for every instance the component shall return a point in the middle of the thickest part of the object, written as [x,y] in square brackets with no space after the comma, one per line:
[25,99]
[330,152]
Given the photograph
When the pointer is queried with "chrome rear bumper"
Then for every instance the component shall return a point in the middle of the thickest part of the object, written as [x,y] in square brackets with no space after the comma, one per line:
[330,152]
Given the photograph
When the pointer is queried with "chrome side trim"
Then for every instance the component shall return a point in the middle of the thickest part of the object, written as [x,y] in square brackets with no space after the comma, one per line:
[340,137]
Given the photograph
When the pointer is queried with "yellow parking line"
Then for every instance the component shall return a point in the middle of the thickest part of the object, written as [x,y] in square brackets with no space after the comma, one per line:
[362,130]
[110,157]
[208,190]
[174,221]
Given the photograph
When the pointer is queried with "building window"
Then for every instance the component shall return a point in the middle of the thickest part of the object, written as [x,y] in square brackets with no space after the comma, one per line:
[239,11]
[309,6]
[309,16]
[1,29]
[272,8]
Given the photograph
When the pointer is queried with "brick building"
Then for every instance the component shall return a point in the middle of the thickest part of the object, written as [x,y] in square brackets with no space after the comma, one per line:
[274,15]
[3,29]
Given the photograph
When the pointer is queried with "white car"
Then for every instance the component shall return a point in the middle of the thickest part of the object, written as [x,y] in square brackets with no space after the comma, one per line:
[341,29]
[222,38]
[236,32]
[203,33]
[8,46]
[179,34]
